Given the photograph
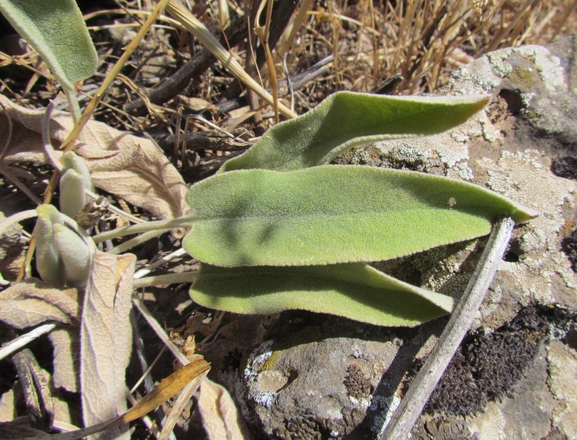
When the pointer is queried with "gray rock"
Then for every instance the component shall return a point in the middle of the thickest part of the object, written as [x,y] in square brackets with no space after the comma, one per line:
[317,377]
[318,380]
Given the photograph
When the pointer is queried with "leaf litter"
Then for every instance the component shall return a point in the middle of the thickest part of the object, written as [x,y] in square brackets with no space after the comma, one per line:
[134,170]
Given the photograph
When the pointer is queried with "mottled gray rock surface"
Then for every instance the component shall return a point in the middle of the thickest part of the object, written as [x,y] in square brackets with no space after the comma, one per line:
[307,376]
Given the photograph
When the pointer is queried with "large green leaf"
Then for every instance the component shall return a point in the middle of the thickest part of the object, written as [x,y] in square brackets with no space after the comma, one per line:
[334,214]
[354,290]
[346,119]
[56,29]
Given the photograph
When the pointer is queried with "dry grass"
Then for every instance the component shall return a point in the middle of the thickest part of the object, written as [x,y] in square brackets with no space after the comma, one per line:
[423,40]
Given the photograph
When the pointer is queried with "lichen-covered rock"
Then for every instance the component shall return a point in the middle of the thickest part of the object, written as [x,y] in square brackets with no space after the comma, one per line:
[318,377]
[522,146]
[317,381]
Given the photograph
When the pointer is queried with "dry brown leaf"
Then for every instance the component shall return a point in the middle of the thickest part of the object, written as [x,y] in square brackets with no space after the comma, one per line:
[106,341]
[220,417]
[189,377]
[8,403]
[12,251]
[36,388]
[66,344]
[18,429]
[127,166]
[32,302]
[170,386]
[12,404]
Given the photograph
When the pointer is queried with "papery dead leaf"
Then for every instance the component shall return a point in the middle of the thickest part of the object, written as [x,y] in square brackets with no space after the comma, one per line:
[66,344]
[127,166]
[220,417]
[12,251]
[190,376]
[8,402]
[11,403]
[32,302]
[18,429]
[36,388]
[106,341]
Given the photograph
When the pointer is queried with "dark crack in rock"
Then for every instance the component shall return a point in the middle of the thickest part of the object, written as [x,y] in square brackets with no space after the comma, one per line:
[555,434]
[569,246]
[565,167]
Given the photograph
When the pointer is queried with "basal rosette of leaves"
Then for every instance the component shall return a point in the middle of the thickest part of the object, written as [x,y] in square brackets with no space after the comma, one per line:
[278,228]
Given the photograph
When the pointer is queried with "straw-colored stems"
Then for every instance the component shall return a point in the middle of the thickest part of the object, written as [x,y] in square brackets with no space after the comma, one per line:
[195,27]
[296,25]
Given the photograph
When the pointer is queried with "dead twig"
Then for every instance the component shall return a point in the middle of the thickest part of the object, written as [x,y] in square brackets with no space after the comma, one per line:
[423,385]
[199,63]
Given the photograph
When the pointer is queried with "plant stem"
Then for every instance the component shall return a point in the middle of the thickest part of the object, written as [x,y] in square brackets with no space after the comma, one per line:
[172,278]
[73,106]
[25,339]
[423,385]
[121,248]
[161,225]
[16,218]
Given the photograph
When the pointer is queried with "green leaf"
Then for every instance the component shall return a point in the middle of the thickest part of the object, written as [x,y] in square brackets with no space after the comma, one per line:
[75,255]
[48,260]
[56,29]
[334,214]
[72,195]
[347,119]
[355,291]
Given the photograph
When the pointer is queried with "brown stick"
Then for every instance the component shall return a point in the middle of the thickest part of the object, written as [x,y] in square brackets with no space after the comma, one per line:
[199,63]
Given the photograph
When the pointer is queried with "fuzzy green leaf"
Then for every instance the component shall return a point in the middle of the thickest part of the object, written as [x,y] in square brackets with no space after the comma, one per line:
[75,255]
[334,214]
[347,119]
[48,260]
[72,195]
[354,290]
[56,29]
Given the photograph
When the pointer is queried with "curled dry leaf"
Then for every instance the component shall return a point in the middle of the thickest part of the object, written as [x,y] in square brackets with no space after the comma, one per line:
[220,417]
[127,166]
[66,344]
[11,408]
[33,302]
[12,252]
[106,340]
[36,388]
[8,402]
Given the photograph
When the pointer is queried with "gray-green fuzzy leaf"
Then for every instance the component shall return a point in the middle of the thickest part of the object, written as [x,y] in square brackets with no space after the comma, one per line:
[56,29]
[334,214]
[72,195]
[355,291]
[71,160]
[346,119]
[75,255]
[48,260]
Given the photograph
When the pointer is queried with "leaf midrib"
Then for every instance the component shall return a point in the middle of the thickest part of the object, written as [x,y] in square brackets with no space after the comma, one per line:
[320,216]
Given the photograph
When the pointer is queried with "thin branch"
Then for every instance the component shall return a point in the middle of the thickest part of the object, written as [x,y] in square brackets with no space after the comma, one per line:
[423,385]
[160,332]
[153,266]
[22,341]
